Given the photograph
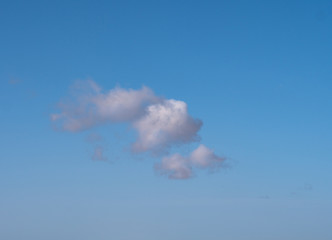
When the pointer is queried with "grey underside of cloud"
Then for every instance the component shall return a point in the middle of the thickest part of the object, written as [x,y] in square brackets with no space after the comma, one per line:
[177,166]
[159,123]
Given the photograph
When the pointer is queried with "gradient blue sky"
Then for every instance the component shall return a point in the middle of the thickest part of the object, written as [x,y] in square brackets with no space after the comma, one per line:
[258,73]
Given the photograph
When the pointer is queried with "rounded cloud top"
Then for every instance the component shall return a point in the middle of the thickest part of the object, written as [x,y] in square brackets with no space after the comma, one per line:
[160,123]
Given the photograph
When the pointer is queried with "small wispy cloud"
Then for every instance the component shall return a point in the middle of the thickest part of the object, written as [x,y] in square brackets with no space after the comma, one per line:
[160,124]
[98,154]
[308,187]
[303,189]
[14,81]
[94,137]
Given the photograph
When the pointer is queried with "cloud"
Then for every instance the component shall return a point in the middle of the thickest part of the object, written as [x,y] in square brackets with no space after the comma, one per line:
[14,81]
[304,189]
[164,124]
[177,166]
[264,197]
[159,123]
[89,107]
[98,154]
[308,187]
[94,137]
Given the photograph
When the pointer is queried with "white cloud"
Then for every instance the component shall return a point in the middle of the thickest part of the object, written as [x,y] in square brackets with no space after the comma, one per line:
[204,157]
[179,167]
[164,124]
[121,105]
[89,107]
[159,123]
[175,167]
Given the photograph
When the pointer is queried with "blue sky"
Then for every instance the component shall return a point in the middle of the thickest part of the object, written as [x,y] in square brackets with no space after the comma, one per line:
[258,74]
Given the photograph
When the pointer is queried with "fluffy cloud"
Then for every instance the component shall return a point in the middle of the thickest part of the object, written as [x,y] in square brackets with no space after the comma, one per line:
[121,105]
[175,167]
[203,157]
[89,107]
[160,123]
[179,167]
[164,124]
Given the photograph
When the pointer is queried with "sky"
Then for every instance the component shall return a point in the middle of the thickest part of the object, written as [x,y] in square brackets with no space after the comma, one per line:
[166,120]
